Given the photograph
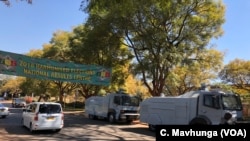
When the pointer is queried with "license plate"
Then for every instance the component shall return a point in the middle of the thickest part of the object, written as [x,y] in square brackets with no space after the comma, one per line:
[50,118]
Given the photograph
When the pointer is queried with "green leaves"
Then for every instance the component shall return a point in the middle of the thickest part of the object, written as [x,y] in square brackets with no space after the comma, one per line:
[237,73]
[190,76]
[160,33]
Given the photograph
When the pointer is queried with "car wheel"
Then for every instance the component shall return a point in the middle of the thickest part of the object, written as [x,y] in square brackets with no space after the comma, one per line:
[31,128]
[22,122]
[4,116]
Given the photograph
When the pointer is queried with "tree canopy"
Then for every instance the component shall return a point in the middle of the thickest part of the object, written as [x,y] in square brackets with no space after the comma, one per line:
[190,76]
[161,34]
[156,40]
[98,46]
[237,74]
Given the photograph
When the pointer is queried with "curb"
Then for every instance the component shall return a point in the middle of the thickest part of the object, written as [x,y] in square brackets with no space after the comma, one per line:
[73,112]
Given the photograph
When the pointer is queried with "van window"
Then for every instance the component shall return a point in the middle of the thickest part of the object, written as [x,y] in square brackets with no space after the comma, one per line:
[117,100]
[49,108]
[31,108]
[231,102]
[212,101]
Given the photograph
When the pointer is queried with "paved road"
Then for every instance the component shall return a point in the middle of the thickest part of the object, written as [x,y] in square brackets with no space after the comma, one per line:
[77,128]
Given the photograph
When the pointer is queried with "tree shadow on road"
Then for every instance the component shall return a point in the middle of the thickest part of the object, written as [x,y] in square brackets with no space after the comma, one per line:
[140,130]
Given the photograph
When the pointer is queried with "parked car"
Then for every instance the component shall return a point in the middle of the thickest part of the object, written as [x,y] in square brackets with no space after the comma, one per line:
[18,102]
[43,116]
[4,111]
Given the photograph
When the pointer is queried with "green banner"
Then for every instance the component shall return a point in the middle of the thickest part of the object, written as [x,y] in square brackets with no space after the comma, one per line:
[21,65]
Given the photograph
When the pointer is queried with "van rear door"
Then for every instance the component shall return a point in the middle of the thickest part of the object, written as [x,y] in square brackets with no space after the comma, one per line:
[50,115]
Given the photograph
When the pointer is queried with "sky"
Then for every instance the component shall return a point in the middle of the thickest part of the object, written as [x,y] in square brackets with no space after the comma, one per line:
[24,27]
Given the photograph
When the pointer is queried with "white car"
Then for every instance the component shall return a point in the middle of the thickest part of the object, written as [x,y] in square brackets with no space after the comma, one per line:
[18,102]
[43,116]
[4,111]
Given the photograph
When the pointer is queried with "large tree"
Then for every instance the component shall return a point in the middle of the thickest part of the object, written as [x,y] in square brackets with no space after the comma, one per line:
[191,75]
[98,46]
[57,50]
[13,85]
[37,87]
[160,33]
[237,74]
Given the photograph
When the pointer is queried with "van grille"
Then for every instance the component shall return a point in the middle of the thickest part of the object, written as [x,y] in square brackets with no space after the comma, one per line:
[130,111]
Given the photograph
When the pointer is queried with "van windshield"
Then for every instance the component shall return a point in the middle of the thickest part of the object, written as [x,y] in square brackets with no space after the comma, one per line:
[49,108]
[130,101]
[231,102]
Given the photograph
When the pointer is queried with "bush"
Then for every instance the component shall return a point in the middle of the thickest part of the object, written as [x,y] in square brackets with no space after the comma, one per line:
[76,104]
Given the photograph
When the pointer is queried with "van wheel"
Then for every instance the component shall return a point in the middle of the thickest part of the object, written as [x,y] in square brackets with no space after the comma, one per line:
[111,118]
[129,121]
[151,127]
[198,121]
[92,117]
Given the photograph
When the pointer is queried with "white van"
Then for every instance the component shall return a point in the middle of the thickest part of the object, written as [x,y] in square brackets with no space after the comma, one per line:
[114,107]
[194,107]
[43,116]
